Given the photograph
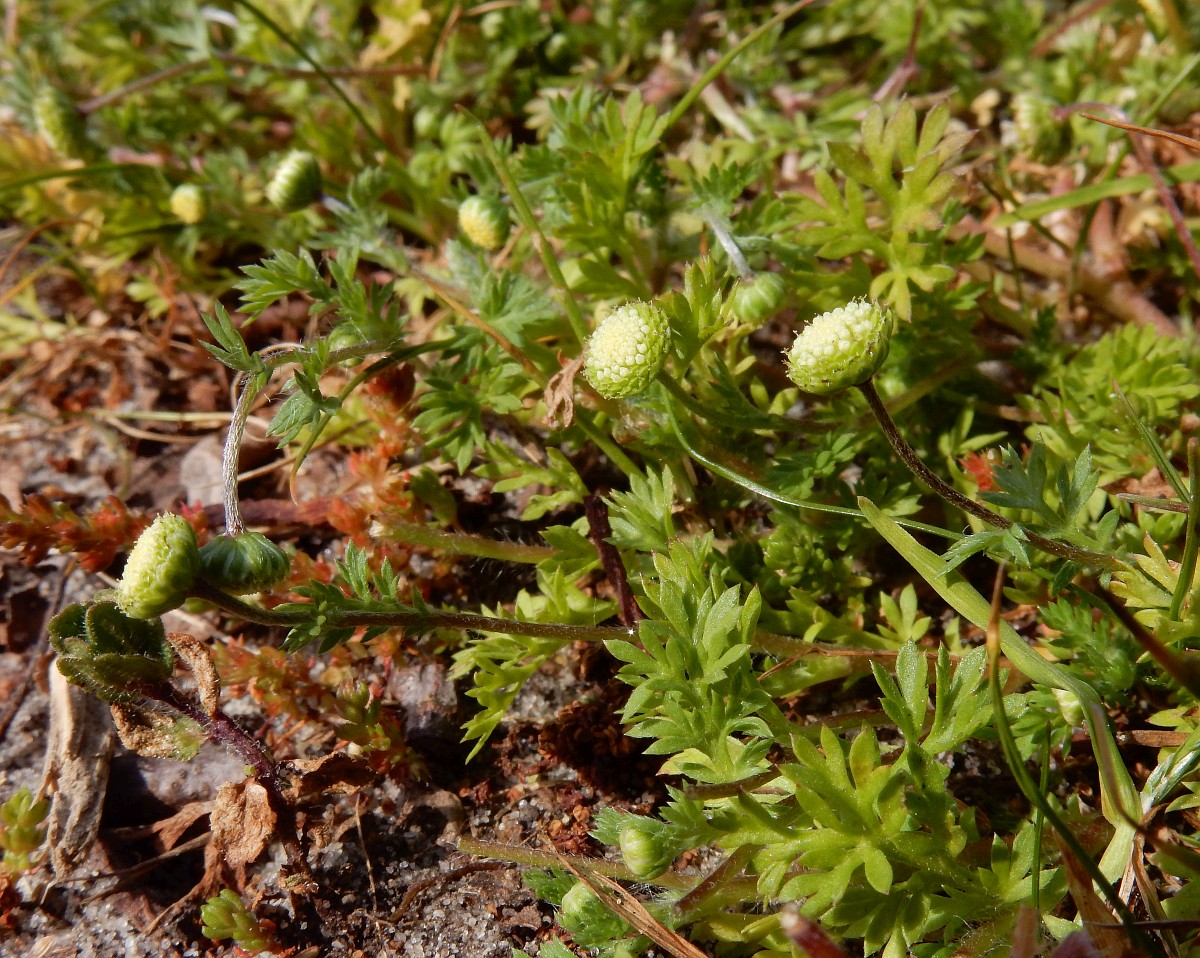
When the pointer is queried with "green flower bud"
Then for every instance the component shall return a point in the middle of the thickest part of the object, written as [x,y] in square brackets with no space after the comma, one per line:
[296,183]
[110,654]
[756,300]
[492,25]
[426,122]
[160,569]
[356,705]
[627,350]
[646,847]
[187,203]
[588,919]
[247,562]
[61,124]
[841,348]
[484,221]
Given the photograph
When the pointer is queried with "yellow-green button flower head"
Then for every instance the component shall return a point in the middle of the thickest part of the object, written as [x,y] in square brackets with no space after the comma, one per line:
[160,570]
[296,183]
[110,654]
[627,350]
[247,562]
[843,347]
[61,124]
[187,203]
[484,221]
[756,300]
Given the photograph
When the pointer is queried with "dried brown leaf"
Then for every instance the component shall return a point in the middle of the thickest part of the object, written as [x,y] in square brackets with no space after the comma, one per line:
[338,773]
[196,657]
[79,748]
[242,822]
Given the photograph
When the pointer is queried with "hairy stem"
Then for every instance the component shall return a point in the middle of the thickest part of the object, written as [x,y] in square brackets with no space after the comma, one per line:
[221,729]
[229,456]
[414,620]
[720,229]
[460,543]
[909,457]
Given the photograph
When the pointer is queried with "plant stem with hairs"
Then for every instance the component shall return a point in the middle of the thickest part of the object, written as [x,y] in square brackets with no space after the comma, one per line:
[909,457]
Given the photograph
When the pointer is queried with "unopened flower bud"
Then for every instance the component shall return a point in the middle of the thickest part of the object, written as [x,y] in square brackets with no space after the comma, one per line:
[61,124]
[296,183]
[627,350]
[756,300]
[484,221]
[241,564]
[646,847]
[587,917]
[843,347]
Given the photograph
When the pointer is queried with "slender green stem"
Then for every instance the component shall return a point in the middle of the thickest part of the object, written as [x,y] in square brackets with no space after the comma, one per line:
[738,478]
[909,457]
[720,229]
[460,543]
[716,880]
[532,858]
[714,71]
[415,620]
[142,83]
[728,416]
[321,71]
[1191,540]
[1037,798]
[529,221]
[615,453]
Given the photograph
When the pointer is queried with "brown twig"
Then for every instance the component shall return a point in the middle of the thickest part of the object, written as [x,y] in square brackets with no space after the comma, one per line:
[599,532]
[1160,185]
[1118,296]
[909,457]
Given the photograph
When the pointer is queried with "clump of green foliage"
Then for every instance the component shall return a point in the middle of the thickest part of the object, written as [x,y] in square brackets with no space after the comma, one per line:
[225,916]
[21,830]
[771,539]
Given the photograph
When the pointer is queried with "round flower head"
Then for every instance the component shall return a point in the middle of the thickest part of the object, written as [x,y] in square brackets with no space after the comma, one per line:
[627,350]
[841,348]
[187,203]
[296,183]
[484,221]
[248,562]
[160,570]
